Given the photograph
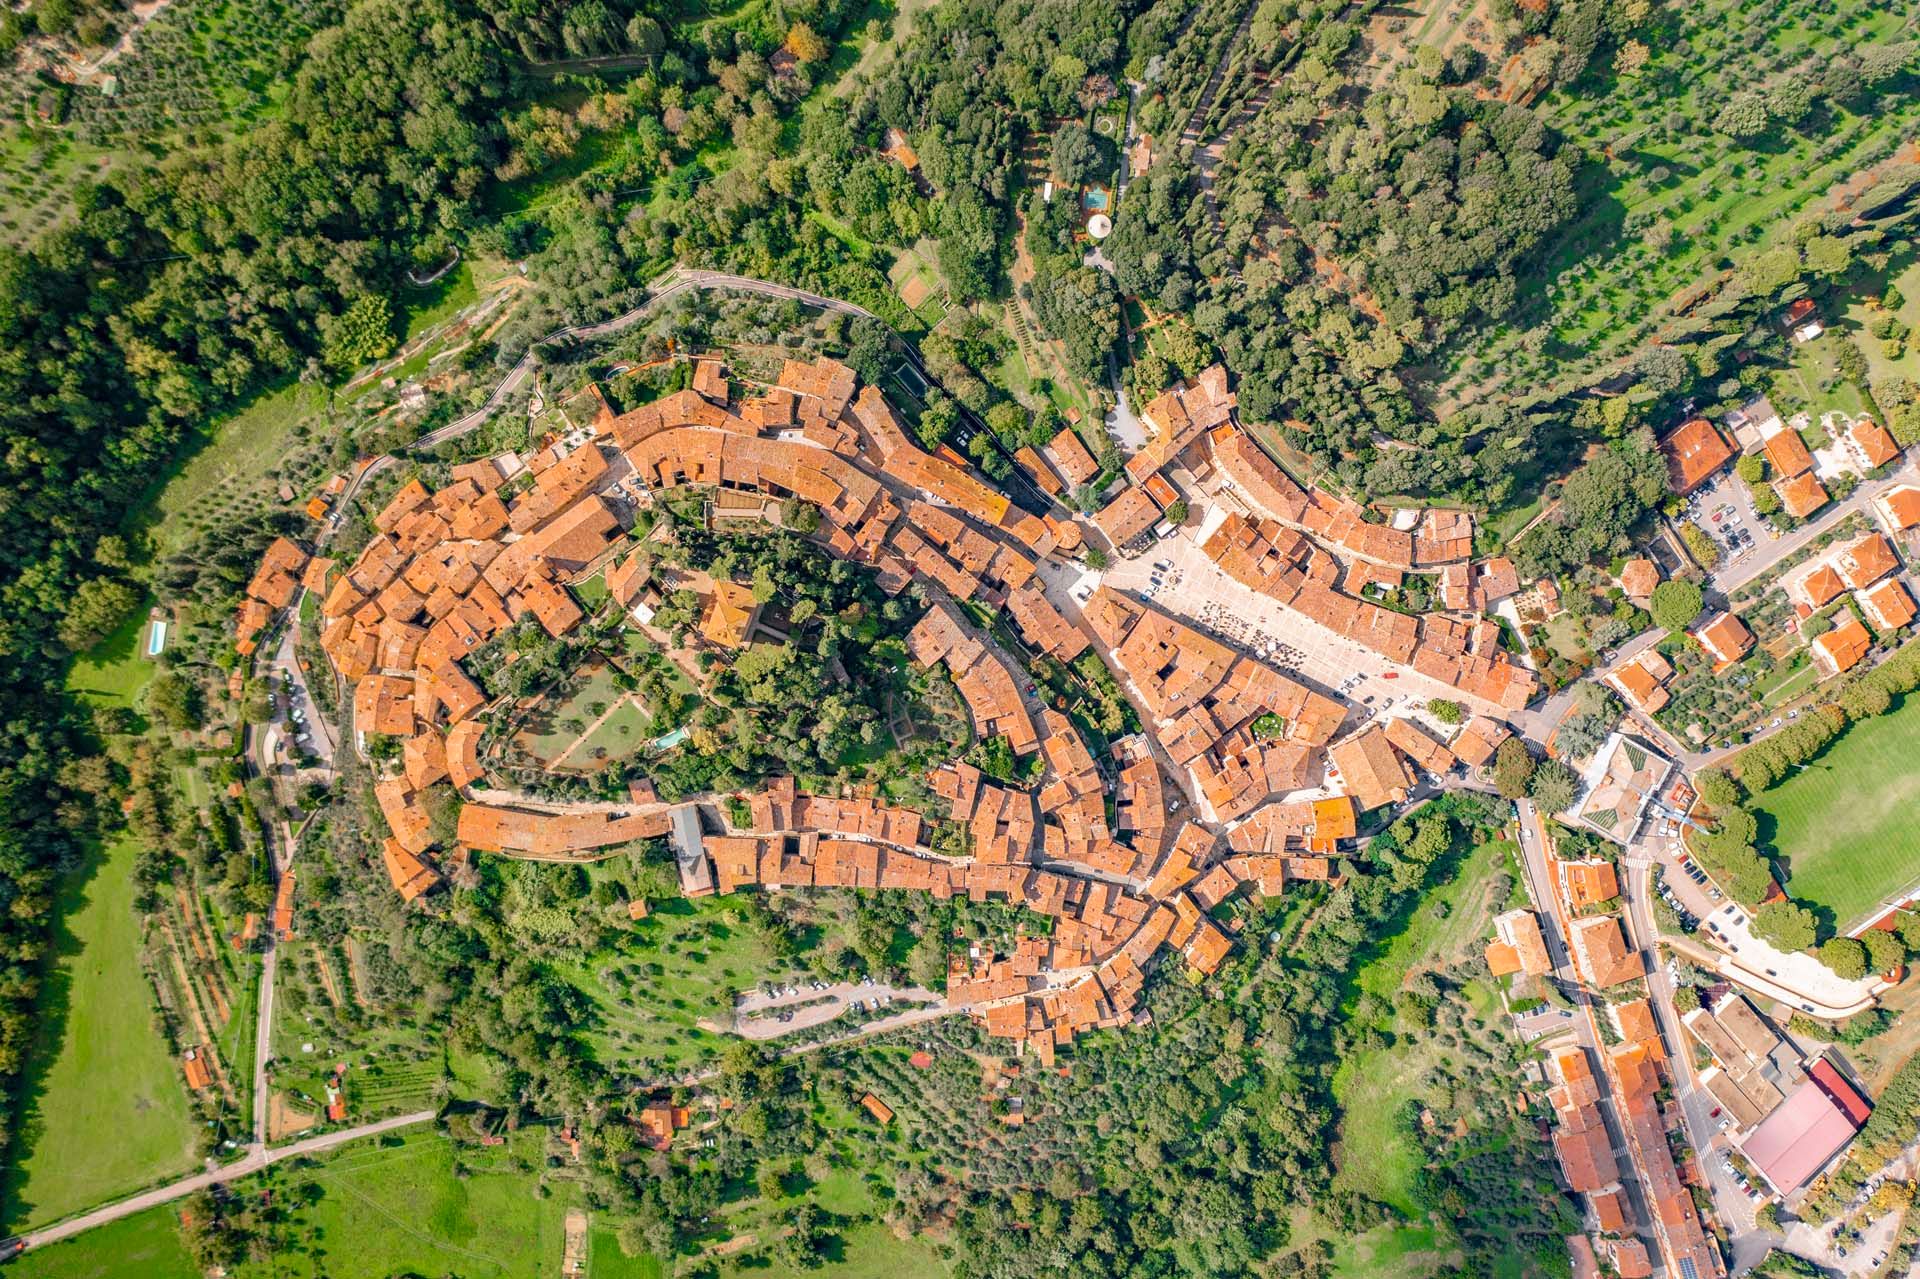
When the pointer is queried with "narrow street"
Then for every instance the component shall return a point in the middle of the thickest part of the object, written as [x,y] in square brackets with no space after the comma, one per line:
[1735,1211]
[1541,888]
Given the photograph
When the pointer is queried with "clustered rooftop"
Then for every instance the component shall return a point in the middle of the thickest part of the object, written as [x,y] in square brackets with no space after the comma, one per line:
[450,569]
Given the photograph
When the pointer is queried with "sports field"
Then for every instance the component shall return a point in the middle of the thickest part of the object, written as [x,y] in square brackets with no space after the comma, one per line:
[106,1109]
[1843,825]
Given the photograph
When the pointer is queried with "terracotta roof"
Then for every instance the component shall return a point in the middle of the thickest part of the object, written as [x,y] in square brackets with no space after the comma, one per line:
[1888,605]
[410,876]
[1875,442]
[729,614]
[1600,951]
[1589,883]
[1787,453]
[1638,577]
[1370,769]
[1519,930]
[491,828]
[1900,506]
[1127,516]
[1479,739]
[1840,649]
[1725,637]
[1866,560]
[1694,451]
[1071,456]
[1802,495]
[1820,587]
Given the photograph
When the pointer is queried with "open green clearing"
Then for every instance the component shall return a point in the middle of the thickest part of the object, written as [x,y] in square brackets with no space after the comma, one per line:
[146,1244]
[553,726]
[440,300]
[418,1206]
[406,1208]
[679,966]
[106,1110]
[1373,1085]
[113,672]
[232,470]
[1843,824]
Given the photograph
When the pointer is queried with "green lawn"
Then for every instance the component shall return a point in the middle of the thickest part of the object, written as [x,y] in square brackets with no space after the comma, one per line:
[677,967]
[404,1209]
[439,300]
[106,1110]
[1453,919]
[1844,824]
[146,1244]
[864,1251]
[113,672]
[546,733]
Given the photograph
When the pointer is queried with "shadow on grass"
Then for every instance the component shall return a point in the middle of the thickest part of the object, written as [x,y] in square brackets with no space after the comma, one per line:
[51,1011]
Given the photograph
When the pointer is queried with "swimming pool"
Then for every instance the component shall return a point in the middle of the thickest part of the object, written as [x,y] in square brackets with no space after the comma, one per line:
[156,638]
[1096,199]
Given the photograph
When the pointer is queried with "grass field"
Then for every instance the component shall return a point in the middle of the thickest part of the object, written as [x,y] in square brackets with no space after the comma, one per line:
[113,672]
[106,1110]
[405,1209]
[1372,1086]
[1844,824]
[865,1251]
[233,467]
[678,967]
[146,1244]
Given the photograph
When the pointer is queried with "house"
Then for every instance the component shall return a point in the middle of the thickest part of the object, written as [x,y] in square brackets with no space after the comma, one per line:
[1600,952]
[728,617]
[1643,680]
[1787,453]
[283,907]
[410,875]
[1801,495]
[1638,577]
[1478,739]
[1590,882]
[1071,459]
[1873,442]
[193,1064]
[1518,945]
[1694,451]
[1866,561]
[1840,649]
[1899,507]
[1725,638]
[1127,516]
[1802,321]
[1888,606]
[1371,769]
[1817,588]
[881,1112]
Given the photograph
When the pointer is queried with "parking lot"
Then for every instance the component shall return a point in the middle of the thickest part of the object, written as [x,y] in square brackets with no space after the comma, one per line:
[1724,511]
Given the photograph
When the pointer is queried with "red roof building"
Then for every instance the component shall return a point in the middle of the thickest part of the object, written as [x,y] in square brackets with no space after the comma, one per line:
[1694,452]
